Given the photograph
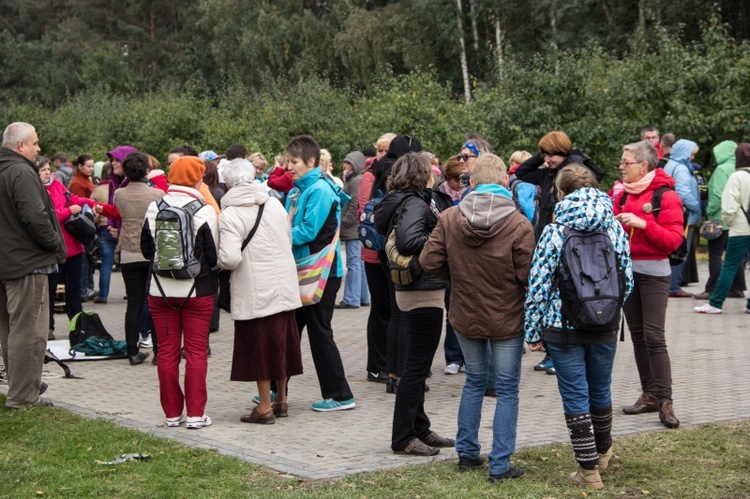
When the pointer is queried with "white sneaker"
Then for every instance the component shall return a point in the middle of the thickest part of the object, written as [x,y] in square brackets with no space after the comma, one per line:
[198,423]
[175,422]
[747,310]
[452,368]
[707,309]
[145,342]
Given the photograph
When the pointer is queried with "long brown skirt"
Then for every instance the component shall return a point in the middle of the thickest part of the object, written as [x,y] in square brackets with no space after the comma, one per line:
[266,348]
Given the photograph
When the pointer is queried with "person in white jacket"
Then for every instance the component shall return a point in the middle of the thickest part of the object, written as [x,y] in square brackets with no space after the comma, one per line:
[182,308]
[255,243]
[735,207]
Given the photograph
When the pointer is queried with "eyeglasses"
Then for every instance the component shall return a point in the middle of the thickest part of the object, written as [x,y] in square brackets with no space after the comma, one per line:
[465,157]
[628,163]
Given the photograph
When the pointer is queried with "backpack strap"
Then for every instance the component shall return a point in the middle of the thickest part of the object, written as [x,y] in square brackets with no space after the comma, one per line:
[255,227]
[623,198]
[656,200]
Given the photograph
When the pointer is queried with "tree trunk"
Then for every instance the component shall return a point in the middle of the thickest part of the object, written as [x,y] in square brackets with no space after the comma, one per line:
[553,29]
[499,47]
[642,6]
[474,30]
[464,63]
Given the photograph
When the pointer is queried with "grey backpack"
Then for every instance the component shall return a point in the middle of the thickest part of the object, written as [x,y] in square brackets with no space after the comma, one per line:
[174,241]
[591,284]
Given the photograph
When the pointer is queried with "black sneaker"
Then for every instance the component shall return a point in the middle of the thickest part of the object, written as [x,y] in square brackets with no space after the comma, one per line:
[468,463]
[508,475]
[138,358]
[380,377]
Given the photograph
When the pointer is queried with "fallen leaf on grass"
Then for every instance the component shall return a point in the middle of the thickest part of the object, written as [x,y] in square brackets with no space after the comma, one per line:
[124,458]
[39,493]
[544,458]
[645,492]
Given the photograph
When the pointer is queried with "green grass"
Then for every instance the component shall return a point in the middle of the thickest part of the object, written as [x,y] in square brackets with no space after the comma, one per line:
[47,452]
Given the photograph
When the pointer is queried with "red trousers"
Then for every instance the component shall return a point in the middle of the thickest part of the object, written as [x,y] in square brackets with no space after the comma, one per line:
[186,328]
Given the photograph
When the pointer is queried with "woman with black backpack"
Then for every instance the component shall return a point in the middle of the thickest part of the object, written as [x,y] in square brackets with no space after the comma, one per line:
[582,348]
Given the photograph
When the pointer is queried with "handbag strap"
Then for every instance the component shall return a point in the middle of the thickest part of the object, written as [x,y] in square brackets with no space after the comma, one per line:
[255,227]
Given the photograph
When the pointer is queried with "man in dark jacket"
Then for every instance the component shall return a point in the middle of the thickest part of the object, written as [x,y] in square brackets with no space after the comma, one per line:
[32,246]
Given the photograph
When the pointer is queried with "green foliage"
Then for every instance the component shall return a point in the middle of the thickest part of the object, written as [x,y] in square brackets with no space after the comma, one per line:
[698,91]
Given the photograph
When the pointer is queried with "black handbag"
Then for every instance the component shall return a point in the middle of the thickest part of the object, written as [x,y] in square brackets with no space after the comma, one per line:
[82,226]
[712,229]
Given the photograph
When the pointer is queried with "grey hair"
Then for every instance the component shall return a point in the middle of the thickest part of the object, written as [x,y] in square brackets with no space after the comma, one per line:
[411,171]
[643,151]
[238,171]
[15,133]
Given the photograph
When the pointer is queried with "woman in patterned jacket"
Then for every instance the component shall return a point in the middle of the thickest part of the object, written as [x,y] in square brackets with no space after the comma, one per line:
[583,360]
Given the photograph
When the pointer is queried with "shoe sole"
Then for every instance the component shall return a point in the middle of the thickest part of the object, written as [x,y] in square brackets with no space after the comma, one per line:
[196,426]
[337,408]
[175,424]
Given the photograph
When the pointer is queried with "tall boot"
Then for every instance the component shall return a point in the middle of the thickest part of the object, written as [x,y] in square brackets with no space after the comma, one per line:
[601,419]
[581,432]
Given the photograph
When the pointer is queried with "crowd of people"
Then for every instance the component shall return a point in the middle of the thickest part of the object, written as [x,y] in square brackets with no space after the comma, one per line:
[196,238]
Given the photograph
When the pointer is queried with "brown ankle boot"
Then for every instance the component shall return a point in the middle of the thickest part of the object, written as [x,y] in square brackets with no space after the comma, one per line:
[666,415]
[587,478]
[604,459]
[645,403]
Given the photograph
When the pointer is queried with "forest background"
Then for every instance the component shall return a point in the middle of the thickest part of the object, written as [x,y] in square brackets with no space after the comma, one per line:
[94,74]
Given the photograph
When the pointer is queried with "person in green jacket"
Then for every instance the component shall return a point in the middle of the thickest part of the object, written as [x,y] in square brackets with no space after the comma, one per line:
[724,155]
[32,247]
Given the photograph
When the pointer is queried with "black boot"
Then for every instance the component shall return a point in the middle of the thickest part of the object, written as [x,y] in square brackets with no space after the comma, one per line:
[581,433]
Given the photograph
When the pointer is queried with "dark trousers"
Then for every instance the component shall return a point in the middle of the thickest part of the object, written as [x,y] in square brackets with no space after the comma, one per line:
[325,353]
[398,337]
[453,353]
[716,248]
[137,277]
[377,321]
[646,310]
[70,275]
[409,418]
[52,284]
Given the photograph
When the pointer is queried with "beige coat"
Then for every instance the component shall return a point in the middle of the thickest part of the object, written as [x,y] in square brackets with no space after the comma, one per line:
[264,275]
[735,198]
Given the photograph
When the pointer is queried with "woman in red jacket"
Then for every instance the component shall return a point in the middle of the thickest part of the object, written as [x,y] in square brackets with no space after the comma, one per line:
[67,204]
[653,236]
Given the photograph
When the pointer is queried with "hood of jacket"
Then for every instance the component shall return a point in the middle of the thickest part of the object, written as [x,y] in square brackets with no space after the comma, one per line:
[245,195]
[681,152]
[316,174]
[120,153]
[357,160]
[484,210]
[586,209]
[724,152]
[403,144]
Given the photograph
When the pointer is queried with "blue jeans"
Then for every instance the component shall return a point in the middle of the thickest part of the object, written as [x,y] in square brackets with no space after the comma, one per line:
[451,347]
[107,245]
[584,375]
[506,357]
[356,292]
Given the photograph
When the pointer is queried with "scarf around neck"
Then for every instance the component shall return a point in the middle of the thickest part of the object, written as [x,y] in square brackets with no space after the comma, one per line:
[639,185]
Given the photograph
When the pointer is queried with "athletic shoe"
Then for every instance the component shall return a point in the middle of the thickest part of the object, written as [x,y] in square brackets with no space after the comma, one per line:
[381,377]
[3,376]
[707,309]
[256,399]
[198,423]
[452,368]
[330,405]
[545,364]
[175,422]
[551,371]
[145,341]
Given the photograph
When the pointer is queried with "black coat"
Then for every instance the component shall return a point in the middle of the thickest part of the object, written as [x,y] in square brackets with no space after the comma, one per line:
[530,171]
[410,212]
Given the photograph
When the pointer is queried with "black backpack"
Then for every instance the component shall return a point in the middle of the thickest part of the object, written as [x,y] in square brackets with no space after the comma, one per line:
[85,325]
[590,282]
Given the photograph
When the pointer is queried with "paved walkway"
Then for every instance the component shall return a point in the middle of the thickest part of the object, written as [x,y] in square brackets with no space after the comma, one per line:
[709,356]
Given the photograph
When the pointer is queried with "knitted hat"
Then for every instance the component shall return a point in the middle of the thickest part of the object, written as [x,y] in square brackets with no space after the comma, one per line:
[743,155]
[187,171]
